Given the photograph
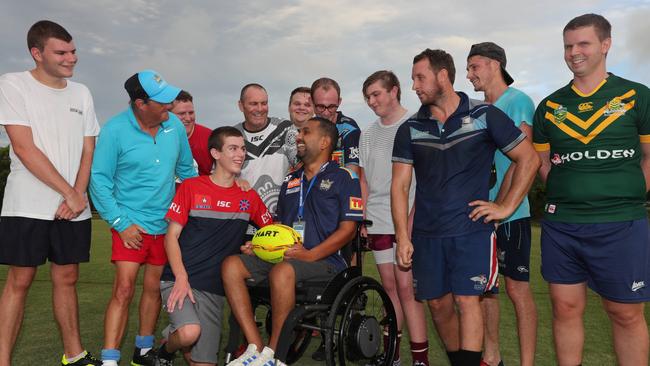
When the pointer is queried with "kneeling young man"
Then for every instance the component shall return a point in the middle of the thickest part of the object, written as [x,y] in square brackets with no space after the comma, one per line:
[207,222]
[323,202]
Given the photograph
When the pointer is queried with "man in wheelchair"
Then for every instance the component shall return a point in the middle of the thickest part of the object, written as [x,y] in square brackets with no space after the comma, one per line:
[323,203]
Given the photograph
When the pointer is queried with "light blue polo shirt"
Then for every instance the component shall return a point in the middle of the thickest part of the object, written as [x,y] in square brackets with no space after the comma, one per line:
[520,108]
[133,173]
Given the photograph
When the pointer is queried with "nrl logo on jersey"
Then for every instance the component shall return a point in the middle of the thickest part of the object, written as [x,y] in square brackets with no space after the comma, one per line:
[559,114]
[615,106]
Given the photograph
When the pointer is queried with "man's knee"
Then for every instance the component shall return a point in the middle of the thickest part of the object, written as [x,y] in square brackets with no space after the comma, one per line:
[440,307]
[65,275]
[467,303]
[232,268]
[566,308]
[625,315]
[123,292]
[188,334]
[20,279]
[517,290]
[282,274]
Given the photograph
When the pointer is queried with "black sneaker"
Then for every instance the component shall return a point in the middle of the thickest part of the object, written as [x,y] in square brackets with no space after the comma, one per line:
[160,361]
[319,353]
[87,360]
[148,359]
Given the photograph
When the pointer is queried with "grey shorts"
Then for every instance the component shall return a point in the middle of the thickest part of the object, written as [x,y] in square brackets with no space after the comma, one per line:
[207,312]
[305,271]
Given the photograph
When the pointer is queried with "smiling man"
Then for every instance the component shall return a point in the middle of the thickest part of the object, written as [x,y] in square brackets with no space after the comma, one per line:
[197,134]
[593,136]
[52,126]
[300,106]
[139,152]
[203,209]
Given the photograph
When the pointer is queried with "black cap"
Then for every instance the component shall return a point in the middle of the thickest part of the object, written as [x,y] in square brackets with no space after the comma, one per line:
[495,52]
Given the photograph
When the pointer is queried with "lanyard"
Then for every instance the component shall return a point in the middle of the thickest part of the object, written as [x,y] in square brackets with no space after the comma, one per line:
[301,203]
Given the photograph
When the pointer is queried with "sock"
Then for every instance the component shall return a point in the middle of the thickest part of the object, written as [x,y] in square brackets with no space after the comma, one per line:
[387,340]
[110,355]
[77,357]
[145,343]
[420,352]
[164,353]
[453,357]
[469,358]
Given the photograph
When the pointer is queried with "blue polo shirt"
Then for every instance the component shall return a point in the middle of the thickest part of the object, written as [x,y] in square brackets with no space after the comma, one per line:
[335,196]
[133,173]
[452,163]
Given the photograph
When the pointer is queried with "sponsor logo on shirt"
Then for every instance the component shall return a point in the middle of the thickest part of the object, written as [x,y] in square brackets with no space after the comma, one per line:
[522,269]
[224,203]
[356,203]
[75,110]
[266,218]
[202,201]
[168,130]
[293,183]
[550,208]
[325,185]
[257,138]
[337,156]
[586,107]
[173,207]
[354,153]
[558,159]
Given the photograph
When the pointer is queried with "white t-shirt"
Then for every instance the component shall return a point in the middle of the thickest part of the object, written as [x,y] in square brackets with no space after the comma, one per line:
[59,120]
[376,152]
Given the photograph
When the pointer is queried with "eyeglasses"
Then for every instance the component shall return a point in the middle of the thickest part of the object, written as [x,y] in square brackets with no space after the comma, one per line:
[320,108]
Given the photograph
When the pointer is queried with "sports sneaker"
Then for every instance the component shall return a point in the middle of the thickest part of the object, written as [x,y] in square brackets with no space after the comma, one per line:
[319,353]
[381,359]
[419,363]
[266,358]
[247,357]
[86,360]
[147,359]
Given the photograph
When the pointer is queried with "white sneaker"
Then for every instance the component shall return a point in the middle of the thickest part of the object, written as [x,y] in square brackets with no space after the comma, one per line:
[109,363]
[266,358]
[247,358]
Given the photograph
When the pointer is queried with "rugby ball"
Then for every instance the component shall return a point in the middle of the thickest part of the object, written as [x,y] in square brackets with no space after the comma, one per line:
[271,241]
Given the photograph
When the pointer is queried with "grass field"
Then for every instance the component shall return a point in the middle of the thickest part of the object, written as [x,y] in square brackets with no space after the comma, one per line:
[39,342]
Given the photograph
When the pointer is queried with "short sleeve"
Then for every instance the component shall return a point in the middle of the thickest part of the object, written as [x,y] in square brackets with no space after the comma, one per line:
[502,130]
[13,109]
[350,200]
[181,205]
[522,110]
[351,146]
[402,149]
[91,126]
[540,136]
[363,148]
[643,113]
[260,213]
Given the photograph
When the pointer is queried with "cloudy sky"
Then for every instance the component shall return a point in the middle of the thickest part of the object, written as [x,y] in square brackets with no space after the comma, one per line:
[212,48]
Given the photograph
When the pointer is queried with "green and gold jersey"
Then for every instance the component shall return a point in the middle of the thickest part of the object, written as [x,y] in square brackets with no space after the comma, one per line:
[594,142]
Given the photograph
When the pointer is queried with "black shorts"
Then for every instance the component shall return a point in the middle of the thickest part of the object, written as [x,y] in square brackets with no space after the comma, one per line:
[29,242]
[513,245]
[305,271]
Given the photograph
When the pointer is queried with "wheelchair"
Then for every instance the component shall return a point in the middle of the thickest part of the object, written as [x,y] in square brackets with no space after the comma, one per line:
[352,312]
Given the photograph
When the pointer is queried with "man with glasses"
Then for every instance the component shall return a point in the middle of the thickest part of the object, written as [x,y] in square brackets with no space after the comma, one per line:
[326,97]
[138,154]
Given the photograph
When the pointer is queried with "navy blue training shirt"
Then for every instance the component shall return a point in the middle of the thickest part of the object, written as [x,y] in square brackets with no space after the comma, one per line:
[452,163]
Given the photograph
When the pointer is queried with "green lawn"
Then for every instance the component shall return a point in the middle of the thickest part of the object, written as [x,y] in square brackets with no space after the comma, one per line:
[39,342]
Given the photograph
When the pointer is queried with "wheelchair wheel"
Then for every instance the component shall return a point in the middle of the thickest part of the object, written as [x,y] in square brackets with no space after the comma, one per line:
[358,320]
[301,338]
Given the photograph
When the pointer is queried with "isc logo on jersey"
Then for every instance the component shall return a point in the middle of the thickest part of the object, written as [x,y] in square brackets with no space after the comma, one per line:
[223,203]
[558,159]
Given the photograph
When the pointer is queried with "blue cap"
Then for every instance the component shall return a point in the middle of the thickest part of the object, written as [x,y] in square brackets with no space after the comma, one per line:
[148,84]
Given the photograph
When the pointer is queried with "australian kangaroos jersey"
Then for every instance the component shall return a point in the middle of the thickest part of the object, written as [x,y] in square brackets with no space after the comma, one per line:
[595,152]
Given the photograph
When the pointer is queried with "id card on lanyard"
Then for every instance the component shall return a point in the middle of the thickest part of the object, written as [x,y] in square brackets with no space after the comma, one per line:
[299,225]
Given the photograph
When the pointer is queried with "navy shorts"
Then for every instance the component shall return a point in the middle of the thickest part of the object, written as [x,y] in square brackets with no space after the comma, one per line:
[30,242]
[463,265]
[613,258]
[513,244]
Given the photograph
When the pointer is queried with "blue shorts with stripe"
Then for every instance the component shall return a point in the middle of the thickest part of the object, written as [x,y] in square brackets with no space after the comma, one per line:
[613,258]
[463,265]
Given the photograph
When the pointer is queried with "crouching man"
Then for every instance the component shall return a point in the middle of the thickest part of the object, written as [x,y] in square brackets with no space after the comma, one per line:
[322,201]
[207,222]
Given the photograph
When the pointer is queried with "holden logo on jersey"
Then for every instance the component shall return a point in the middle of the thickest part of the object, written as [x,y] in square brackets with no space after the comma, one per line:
[592,155]
[559,114]
[615,106]
[586,107]
[325,185]
[479,282]
[223,203]
[244,205]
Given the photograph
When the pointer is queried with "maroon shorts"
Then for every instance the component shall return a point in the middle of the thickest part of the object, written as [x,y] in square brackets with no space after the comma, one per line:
[380,241]
[151,252]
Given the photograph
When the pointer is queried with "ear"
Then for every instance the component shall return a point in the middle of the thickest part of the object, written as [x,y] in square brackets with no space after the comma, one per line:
[393,92]
[216,154]
[139,103]
[36,54]
[605,45]
[241,106]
